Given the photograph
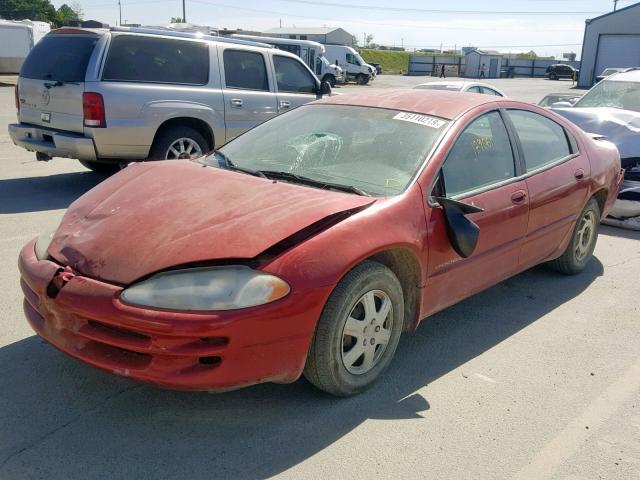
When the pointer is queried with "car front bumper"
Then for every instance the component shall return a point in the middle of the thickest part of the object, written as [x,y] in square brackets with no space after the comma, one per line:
[52,142]
[181,350]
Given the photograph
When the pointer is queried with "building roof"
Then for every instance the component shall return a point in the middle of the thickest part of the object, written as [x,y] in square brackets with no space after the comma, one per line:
[589,20]
[484,52]
[303,30]
[440,103]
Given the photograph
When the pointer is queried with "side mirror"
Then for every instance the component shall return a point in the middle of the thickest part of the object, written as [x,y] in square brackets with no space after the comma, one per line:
[562,104]
[324,89]
[462,232]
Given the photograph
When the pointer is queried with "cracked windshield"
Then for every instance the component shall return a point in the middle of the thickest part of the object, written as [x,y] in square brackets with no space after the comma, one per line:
[370,151]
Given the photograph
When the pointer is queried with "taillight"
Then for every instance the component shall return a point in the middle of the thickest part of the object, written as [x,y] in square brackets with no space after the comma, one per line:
[93,110]
[17,94]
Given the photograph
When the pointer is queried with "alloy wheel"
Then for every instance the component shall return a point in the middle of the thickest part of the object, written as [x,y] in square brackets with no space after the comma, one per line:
[183,148]
[585,235]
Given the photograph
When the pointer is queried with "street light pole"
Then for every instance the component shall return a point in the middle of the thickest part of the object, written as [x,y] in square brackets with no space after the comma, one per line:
[120,12]
[184,13]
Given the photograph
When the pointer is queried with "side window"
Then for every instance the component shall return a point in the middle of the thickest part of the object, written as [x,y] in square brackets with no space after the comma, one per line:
[292,76]
[490,91]
[543,141]
[480,156]
[351,58]
[137,58]
[245,70]
[473,89]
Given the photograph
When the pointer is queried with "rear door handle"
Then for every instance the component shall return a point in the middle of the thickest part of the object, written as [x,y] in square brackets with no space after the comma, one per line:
[236,102]
[284,104]
[579,174]
[518,196]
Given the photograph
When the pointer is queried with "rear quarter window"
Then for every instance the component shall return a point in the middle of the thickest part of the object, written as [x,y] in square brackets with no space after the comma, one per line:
[157,60]
[59,57]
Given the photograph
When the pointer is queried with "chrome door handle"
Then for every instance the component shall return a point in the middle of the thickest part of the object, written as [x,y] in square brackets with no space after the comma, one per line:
[284,104]
[518,196]
[579,174]
[236,102]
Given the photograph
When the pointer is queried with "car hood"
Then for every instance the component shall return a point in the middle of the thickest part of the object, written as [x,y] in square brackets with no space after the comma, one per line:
[621,127]
[156,215]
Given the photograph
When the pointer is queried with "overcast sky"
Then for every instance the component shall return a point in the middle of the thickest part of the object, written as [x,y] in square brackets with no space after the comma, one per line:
[546,33]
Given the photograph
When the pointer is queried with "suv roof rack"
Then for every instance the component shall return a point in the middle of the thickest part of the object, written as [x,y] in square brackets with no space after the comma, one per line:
[172,33]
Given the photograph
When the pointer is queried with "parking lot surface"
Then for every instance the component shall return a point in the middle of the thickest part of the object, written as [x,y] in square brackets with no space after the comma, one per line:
[538,377]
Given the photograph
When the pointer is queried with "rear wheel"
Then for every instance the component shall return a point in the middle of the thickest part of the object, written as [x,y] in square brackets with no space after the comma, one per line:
[100,167]
[177,143]
[582,243]
[358,331]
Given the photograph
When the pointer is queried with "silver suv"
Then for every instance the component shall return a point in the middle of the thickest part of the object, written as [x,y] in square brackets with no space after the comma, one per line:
[113,96]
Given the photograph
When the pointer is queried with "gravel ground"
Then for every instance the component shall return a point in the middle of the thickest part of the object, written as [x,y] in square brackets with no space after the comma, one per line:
[536,378]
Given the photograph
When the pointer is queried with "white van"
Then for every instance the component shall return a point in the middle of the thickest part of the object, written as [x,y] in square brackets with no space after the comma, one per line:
[312,53]
[355,68]
[17,38]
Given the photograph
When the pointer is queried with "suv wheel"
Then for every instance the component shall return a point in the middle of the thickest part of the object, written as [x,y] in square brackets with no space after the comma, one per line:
[100,167]
[361,79]
[358,331]
[553,76]
[177,143]
[331,79]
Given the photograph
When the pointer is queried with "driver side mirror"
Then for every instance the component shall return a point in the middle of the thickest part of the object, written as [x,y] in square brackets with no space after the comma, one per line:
[462,232]
[323,89]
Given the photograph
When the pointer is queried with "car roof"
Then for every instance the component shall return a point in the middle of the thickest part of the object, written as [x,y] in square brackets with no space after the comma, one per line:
[630,76]
[440,103]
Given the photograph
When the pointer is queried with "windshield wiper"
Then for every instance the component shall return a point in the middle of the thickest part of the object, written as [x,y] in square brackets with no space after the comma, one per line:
[313,182]
[57,83]
[224,162]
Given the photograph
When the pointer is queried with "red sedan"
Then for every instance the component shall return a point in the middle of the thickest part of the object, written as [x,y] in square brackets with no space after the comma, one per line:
[310,243]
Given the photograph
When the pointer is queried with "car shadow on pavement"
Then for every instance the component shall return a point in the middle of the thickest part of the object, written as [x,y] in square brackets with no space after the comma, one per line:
[53,192]
[61,419]
[619,232]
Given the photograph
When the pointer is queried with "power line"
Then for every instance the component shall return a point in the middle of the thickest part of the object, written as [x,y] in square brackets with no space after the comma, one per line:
[435,11]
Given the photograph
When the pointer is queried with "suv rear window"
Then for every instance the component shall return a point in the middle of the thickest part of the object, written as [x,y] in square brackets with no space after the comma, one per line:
[157,60]
[58,57]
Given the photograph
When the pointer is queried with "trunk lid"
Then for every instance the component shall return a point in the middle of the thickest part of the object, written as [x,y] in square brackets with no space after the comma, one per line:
[52,81]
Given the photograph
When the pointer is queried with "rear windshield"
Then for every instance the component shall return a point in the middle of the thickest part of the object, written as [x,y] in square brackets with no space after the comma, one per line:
[136,58]
[58,57]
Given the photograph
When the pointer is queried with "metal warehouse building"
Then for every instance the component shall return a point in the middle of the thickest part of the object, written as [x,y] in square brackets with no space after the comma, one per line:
[326,35]
[611,40]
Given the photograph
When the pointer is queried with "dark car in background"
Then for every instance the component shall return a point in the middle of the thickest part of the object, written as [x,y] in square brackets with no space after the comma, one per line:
[377,66]
[561,70]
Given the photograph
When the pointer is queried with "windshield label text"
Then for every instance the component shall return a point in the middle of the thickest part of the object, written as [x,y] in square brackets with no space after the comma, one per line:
[425,120]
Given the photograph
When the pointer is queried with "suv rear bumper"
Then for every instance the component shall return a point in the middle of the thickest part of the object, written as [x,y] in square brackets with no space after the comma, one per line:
[51,142]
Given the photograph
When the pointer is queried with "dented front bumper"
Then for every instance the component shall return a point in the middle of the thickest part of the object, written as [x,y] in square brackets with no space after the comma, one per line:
[181,350]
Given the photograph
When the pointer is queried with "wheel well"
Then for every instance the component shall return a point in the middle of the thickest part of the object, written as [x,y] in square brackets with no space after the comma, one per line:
[406,267]
[200,126]
[601,198]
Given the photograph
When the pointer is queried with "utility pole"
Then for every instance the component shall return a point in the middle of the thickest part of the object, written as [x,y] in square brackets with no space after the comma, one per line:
[184,13]
[280,23]
[120,12]
[615,5]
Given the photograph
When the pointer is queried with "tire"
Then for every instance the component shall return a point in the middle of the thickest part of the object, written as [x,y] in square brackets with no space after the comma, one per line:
[168,137]
[362,79]
[553,76]
[100,167]
[329,366]
[331,79]
[578,253]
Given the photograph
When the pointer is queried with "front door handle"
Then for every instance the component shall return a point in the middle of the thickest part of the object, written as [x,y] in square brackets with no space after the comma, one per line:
[284,104]
[579,174]
[236,102]
[518,196]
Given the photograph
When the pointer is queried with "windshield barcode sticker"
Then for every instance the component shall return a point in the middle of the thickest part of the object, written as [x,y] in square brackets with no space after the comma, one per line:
[425,120]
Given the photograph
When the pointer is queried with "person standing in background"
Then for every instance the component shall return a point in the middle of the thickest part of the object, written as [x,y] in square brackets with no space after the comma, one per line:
[482,69]
[442,75]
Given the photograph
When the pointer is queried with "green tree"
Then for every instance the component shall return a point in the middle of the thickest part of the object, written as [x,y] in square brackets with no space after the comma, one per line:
[66,16]
[41,10]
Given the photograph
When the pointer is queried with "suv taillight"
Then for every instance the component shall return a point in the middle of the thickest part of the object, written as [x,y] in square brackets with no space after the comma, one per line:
[93,110]
[17,94]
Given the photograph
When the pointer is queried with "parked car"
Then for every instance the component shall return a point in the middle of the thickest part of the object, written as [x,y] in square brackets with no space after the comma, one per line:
[609,71]
[311,242]
[353,65]
[125,94]
[461,86]
[552,98]
[560,70]
[377,66]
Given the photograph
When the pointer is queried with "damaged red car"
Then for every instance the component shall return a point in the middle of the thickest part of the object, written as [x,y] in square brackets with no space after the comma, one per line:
[310,243]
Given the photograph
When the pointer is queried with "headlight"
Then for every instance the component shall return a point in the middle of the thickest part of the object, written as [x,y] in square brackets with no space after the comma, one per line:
[209,288]
[42,244]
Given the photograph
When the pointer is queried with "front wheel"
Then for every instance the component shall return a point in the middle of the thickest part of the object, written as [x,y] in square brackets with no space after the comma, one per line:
[358,331]
[582,243]
[553,76]
[362,79]
[330,79]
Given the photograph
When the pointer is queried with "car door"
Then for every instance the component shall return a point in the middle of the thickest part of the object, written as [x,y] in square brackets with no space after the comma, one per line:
[248,99]
[295,83]
[556,175]
[480,169]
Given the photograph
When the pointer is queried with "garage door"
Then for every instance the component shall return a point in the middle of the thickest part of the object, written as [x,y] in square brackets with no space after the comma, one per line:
[617,51]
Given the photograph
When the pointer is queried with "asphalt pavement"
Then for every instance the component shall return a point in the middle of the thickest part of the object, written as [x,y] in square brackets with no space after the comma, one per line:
[535,378]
